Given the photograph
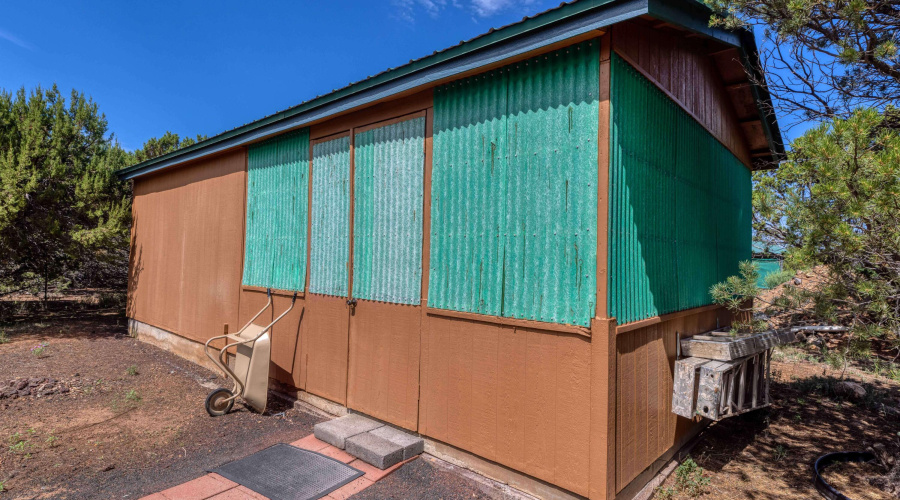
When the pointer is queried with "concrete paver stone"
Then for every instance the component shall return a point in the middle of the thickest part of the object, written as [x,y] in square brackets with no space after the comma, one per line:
[412,445]
[335,432]
[374,450]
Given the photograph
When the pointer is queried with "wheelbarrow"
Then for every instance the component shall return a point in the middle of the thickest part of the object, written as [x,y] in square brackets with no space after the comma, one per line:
[250,375]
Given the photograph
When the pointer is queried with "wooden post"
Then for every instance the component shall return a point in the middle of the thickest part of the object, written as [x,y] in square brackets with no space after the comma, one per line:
[603,410]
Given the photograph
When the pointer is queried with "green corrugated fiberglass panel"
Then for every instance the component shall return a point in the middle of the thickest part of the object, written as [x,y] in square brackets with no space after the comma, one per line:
[735,209]
[468,186]
[679,204]
[695,200]
[514,190]
[275,241]
[551,199]
[387,217]
[330,245]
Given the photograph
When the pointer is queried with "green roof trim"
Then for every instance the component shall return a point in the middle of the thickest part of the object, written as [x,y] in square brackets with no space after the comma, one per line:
[554,25]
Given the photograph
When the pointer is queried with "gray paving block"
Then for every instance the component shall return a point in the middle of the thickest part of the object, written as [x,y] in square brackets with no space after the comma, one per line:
[412,445]
[374,450]
[335,432]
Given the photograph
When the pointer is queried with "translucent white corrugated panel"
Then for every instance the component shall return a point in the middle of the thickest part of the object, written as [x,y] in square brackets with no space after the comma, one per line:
[389,164]
[330,238]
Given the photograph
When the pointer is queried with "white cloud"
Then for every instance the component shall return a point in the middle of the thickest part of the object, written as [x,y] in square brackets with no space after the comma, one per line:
[487,8]
[407,10]
[5,35]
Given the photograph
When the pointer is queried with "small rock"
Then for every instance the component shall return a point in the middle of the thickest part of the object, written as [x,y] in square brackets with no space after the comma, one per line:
[815,340]
[21,384]
[63,390]
[797,281]
[850,389]
[108,468]
[24,392]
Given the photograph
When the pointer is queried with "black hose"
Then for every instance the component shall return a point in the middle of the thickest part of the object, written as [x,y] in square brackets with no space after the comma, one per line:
[825,460]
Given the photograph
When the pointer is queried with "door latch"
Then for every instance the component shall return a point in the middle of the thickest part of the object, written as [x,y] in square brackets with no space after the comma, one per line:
[351,302]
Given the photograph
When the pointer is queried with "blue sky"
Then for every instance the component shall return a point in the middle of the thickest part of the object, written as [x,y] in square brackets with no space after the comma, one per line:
[206,67]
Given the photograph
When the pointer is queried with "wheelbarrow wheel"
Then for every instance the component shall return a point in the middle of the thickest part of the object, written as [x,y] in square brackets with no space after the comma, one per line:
[217,403]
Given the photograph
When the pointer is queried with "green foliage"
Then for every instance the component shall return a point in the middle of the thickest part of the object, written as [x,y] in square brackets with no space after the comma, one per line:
[780,453]
[63,213]
[665,493]
[737,293]
[132,370]
[777,278]
[168,143]
[689,478]
[132,395]
[39,349]
[734,292]
[4,337]
[834,358]
[835,202]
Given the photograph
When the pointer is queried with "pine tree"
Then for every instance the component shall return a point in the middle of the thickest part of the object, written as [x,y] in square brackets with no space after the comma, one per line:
[64,216]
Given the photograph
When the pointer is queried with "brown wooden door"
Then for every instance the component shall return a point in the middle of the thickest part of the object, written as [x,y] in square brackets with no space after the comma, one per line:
[389,167]
[325,329]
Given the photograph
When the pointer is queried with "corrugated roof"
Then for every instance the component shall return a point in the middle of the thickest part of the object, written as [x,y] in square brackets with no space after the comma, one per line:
[582,15]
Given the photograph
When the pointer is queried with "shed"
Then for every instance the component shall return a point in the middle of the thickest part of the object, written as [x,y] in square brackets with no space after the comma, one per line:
[526,222]
[769,259]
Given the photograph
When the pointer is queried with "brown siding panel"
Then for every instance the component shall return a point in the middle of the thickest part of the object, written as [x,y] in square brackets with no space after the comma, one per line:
[646,428]
[517,396]
[187,241]
[285,366]
[384,362]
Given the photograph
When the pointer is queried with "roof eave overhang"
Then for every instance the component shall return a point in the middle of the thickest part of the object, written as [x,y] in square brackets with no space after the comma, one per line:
[695,17]
[568,21]
[750,59]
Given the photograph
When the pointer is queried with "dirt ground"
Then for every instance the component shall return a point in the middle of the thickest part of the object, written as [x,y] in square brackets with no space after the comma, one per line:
[107,416]
[768,454]
[428,478]
[98,414]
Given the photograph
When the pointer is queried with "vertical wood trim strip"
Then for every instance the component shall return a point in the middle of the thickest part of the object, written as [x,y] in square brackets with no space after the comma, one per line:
[603,179]
[243,236]
[603,410]
[426,265]
[304,347]
[350,203]
[602,479]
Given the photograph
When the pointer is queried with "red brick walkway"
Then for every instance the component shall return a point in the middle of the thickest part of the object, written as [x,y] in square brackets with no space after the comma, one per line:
[214,486]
